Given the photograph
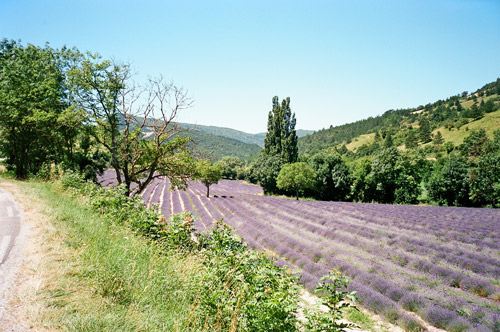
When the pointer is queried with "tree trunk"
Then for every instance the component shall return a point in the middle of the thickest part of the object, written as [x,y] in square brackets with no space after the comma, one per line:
[297,192]
[208,191]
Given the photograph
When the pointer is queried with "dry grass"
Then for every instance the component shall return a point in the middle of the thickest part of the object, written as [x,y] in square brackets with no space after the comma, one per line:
[360,140]
[490,122]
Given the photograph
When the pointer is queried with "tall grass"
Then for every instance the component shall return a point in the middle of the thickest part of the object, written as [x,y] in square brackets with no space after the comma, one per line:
[117,280]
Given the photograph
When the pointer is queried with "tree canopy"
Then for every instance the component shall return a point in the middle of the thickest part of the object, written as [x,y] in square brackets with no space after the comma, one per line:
[281,137]
[296,178]
[207,173]
[31,103]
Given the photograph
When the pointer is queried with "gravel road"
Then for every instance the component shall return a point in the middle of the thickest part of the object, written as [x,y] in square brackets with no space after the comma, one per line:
[13,234]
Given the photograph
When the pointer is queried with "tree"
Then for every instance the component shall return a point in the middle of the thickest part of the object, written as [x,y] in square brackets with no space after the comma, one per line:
[383,175]
[207,173]
[476,112]
[438,139]
[333,178]
[411,140]
[474,145]
[360,189]
[281,138]
[264,171]
[484,168]
[388,141]
[448,184]
[448,146]
[142,139]
[296,177]
[425,131]
[489,106]
[411,168]
[231,167]
[31,93]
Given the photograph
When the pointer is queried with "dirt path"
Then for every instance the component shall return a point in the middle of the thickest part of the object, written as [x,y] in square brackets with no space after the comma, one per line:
[23,268]
[14,235]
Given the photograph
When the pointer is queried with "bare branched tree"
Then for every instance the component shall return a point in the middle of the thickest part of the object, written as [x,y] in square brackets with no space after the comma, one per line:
[135,125]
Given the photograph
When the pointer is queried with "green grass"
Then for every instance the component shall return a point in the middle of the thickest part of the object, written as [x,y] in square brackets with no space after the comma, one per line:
[365,321]
[113,280]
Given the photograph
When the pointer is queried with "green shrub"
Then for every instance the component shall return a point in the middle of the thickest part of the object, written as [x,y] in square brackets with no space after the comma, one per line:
[335,298]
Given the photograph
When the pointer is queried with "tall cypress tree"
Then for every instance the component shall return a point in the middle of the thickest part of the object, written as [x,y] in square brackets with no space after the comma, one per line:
[281,137]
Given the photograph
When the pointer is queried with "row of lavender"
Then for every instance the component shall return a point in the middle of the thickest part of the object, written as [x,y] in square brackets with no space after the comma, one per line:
[440,263]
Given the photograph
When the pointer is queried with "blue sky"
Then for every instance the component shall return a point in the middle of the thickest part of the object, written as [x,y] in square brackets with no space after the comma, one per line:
[338,61]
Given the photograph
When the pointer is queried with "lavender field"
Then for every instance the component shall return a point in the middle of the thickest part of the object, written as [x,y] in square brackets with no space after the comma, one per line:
[407,263]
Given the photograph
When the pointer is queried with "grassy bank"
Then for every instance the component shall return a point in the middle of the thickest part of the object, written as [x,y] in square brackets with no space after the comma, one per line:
[112,278]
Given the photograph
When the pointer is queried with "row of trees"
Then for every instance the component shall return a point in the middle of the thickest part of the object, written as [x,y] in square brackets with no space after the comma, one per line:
[467,176]
[78,111]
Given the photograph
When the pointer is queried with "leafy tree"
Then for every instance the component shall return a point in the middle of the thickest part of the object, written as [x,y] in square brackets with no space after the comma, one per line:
[438,139]
[296,177]
[141,147]
[484,180]
[383,175]
[388,141]
[448,184]
[489,106]
[411,140]
[281,138]
[31,104]
[264,171]
[425,131]
[448,146]
[231,167]
[333,178]
[362,189]
[484,167]
[389,177]
[411,169]
[476,112]
[207,173]
[474,144]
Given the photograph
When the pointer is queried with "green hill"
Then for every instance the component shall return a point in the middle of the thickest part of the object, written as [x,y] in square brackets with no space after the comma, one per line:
[214,147]
[207,144]
[452,117]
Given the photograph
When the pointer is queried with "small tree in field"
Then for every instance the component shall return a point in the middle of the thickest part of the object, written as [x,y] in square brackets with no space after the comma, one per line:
[296,177]
[208,173]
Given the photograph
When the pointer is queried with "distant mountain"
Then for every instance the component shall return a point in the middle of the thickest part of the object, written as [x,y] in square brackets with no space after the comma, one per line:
[452,117]
[303,132]
[236,134]
[228,133]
